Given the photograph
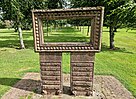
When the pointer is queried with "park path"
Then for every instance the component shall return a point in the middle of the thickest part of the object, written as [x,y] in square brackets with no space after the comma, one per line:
[105,87]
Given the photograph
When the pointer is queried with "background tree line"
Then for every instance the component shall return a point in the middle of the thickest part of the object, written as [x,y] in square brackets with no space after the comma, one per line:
[118,13]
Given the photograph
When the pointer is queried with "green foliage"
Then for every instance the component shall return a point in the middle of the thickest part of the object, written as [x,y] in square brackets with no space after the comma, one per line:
[118,13]
[54,4]
[126,14]
[19,11]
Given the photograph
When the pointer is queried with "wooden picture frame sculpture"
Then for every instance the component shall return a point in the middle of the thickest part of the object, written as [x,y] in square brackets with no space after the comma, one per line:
[82,54]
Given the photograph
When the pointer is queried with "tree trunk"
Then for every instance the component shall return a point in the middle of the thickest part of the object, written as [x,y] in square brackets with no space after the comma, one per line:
[16,28]
[47,30]
[80,28]
[22,46]
[83,29]
[51,28]
[111,37]
[115,29]
[88,31]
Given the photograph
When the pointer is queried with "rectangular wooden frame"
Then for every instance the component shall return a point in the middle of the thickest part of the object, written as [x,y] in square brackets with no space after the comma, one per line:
[94,13]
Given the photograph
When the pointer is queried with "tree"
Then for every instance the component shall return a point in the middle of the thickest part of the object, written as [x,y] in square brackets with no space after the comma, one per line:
[128,19]
[19,11]
[12,11]
[111,19]
[16,9]
[55,4]
[116,11]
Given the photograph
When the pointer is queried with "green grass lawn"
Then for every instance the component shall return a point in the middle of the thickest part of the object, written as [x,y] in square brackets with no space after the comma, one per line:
[65,35]
[120,63]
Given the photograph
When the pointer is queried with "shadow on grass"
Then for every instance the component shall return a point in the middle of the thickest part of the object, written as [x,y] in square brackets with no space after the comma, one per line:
[15,44]
[9,31]
[9,37]
[66,35]
[105,31]
[62,38]
[28,85]
[122,50]
[29,44]
[68,30]
[12,40]
[63,30]
[132,32]
[23,84]
[9,43]
[26,34]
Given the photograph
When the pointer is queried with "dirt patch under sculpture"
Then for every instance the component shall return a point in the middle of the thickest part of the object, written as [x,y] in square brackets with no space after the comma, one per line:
[105,87]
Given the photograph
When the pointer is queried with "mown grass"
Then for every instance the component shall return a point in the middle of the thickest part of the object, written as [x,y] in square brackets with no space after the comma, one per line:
[65,35]
[121,63]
